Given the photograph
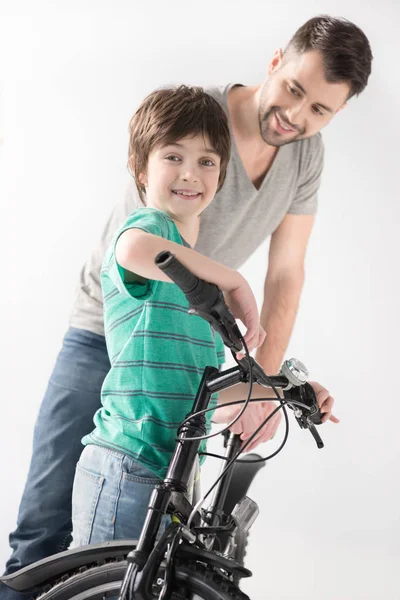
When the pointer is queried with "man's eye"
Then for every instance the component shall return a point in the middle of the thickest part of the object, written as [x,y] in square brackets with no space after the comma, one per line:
[317,111]
[294,91]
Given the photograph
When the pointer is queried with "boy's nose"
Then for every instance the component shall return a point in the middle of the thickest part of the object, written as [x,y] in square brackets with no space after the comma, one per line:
[189,175]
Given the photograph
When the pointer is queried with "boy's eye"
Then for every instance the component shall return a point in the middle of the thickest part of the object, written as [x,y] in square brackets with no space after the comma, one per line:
[207,162]
[172,157]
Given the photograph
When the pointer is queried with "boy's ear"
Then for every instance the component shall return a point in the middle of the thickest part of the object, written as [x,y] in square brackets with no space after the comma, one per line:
[143,179]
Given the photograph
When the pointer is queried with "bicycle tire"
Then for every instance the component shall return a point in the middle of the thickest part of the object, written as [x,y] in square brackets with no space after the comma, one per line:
[97,581]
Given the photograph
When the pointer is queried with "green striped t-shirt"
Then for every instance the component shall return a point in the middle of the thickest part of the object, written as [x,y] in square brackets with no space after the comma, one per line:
[157,352]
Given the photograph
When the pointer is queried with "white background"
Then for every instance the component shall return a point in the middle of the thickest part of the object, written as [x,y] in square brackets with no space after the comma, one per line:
[72,73]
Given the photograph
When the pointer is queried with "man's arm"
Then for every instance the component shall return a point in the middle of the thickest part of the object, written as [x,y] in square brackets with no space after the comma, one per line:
[283,286]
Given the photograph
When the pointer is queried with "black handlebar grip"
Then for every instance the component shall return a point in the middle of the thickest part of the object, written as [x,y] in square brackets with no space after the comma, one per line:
[184,278]
[200,294]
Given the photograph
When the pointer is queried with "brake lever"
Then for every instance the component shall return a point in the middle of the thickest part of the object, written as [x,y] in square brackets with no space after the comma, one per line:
[315,434]
[307,419]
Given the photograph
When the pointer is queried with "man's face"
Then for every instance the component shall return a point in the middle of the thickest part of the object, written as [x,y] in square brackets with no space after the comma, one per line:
[296,101]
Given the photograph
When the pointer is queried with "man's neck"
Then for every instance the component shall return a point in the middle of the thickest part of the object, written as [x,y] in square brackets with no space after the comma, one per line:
[243,111]
[257,156]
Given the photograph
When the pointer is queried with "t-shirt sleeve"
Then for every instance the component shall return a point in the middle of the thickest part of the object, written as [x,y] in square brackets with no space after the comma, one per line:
[306,199]
[128,203]
[149,221]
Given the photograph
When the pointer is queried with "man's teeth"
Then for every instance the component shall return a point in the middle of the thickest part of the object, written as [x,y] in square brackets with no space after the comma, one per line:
[285,127]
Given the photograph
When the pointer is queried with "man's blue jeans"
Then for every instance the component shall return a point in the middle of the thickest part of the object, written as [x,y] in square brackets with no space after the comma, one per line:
[66,415]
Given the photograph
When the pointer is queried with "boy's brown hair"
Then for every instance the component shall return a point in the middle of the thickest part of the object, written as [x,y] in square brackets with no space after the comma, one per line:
[170,114]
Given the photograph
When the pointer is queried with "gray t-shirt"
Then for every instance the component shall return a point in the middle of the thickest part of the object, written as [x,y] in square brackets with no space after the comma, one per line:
[236,222]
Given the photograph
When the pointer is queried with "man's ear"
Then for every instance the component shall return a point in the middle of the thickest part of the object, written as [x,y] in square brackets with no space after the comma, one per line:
[276,61]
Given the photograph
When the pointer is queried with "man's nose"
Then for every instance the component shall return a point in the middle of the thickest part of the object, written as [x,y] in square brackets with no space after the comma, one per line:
[296,114]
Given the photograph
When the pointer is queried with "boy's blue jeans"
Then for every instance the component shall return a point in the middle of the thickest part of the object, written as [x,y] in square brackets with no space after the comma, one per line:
[110,497]
[66,415]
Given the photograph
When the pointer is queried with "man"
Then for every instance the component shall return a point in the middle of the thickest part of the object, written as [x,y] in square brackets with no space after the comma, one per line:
[271,189]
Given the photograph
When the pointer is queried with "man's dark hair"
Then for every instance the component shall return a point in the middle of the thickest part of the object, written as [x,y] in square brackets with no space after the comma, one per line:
[170,114]
[345,49]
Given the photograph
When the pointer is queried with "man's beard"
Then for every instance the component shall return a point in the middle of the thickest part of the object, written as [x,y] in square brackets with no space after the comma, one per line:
[269,135]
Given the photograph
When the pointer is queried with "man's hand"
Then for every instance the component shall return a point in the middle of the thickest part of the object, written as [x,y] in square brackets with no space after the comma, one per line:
[253,416]
[257,412]
[325,402]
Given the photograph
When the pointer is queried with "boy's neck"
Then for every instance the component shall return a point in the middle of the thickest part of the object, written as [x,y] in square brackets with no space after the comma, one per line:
[189,229]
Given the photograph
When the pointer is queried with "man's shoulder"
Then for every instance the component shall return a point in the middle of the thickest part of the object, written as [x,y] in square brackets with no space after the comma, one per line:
[216,91]
[220,93]
[312,144]
[311,152]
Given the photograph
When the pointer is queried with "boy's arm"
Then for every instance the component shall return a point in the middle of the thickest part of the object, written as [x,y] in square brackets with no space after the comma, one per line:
[136,250]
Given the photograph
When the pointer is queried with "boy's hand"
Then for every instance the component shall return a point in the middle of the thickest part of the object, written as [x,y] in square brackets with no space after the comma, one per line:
[243,306]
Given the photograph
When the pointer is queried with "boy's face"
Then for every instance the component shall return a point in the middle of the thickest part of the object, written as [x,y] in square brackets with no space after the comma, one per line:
[181,179]
[296,101]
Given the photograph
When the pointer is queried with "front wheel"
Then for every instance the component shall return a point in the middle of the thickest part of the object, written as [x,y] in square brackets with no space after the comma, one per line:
[193,581]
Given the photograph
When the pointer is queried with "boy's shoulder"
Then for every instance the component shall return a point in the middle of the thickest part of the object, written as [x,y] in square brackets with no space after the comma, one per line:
[151,219]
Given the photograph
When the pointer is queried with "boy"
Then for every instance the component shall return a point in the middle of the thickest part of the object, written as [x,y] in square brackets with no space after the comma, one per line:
[179,151]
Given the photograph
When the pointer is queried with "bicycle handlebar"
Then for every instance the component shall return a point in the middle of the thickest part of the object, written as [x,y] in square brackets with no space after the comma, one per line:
[207,301]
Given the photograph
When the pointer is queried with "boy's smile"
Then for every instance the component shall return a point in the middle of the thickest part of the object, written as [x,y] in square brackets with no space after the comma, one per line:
[187,194]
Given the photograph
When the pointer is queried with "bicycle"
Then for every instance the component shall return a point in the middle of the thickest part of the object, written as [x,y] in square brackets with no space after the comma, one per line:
[200,554]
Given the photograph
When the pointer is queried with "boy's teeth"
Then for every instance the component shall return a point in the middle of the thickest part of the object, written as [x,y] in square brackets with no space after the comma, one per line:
[186,193]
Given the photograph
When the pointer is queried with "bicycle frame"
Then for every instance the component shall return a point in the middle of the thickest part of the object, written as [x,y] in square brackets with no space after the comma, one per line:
[179,471]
